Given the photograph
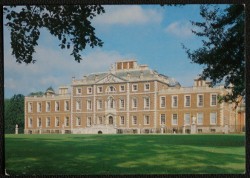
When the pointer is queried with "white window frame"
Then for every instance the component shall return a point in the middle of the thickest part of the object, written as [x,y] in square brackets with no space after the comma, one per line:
[39,122]
[146,102]
[200,104]
[187,119]
[212,113]
[121,88]
[89,105]
[200,114]
[78,105]
[122,120]
[78,91]
[48,109]
[186,101]
[134,85]
[57,106]
[134,103]
[66,121]
[145,87]
[89,121]
[78,121]
[30,107]
[99,89]
[39,107]
[134,120]
[173,101]
[122,103]
[162,104]
[174,118]
[48,122]
[89,90]
[211,99]
[111,103]
[65,105]
[57,120]
[146,120]
[162,118]
[99,104]
[30,122]
[100,120]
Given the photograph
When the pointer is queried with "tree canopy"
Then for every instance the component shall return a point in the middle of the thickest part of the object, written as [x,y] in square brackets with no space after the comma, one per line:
[222,51]
[14,113]
[69,23]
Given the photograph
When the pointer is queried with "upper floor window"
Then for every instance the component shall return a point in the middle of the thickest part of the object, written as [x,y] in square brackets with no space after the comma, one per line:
[30,105]
[200,100]
[122,88]
[78,121]
[66,105]
[199,118]
[122,120]
[48,122]
[57,122]
[187,119]
[146,120]
[89,90]
[30,122]
[57,106]
[213,118]
[39,107]
[135,87]
[187,101]
[174,101]
[78,91]
[99,89]
[99,104]
[174,119]
[134,120]
[122,103]
[47,106]
[134,103]
[66,121]
[146,87]
[78,105]
[89,105]
[146,102]
[163,119]
[213,100]
[39,122]
[111,103]
[111,89]
[162,101]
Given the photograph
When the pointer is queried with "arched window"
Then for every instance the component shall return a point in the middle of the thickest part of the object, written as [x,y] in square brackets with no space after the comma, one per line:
[111,103]
[110,120]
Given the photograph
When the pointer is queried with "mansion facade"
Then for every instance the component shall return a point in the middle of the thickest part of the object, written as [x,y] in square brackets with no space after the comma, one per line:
[130,98]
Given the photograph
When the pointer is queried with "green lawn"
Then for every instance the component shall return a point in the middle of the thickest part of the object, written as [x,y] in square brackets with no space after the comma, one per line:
[124,154]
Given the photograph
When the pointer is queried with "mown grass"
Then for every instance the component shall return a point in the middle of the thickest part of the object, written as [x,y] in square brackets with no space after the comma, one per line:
[124,154]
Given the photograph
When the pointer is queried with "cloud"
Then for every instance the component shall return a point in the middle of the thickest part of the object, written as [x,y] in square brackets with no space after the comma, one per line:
[53,68]
[128,15]
[180,29]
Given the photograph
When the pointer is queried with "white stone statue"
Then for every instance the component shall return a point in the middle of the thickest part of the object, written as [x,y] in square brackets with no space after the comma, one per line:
[16,130]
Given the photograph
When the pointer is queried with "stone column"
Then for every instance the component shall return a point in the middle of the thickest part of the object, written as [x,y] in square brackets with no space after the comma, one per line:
[16,130]
[63,131]
[226,129]
[40,130]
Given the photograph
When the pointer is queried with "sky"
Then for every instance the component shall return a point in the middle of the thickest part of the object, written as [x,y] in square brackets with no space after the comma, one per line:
[150,34]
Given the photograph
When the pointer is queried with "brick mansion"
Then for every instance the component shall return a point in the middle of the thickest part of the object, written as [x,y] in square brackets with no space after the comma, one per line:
[131,98]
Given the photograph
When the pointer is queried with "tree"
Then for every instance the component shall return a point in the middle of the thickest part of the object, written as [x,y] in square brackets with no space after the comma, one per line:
[14,113]
[222,51]
[69,23]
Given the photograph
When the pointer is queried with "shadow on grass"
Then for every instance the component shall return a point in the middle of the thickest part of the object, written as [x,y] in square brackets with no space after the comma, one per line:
[126,154]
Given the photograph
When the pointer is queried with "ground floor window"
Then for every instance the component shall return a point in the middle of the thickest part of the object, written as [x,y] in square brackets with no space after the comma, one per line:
[88,121]
[110,120]
[134,120]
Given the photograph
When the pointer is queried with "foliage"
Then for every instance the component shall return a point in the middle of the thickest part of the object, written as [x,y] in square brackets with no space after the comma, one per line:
[50,88]
[222,52]
[14,113]
[76,154]
[69,23]
[39,93]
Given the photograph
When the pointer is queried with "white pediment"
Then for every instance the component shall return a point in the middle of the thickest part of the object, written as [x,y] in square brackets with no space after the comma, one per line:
[110,78]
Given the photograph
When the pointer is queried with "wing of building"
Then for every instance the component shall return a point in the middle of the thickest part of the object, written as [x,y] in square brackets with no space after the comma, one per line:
[130,98]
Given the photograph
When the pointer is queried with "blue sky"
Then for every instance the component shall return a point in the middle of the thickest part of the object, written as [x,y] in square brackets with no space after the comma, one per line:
[150,34]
